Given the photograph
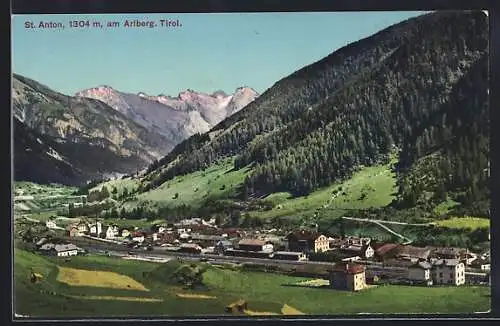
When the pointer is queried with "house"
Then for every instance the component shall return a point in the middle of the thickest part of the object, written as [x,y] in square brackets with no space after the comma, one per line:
[83,228]
[47,248]
[482,264]
[138,237]
[206,240]
[357,241]
[73,231]
[448,253]
[255,245]
[222,246]
[395,270]
[364,251]
[289,255]
[51,224]
[188,222]
[64,250]
[60,250]
[230,232]
[184,236]
[384,251]
[335,243]
[448,271]
[201,228]
[96,229]
[190,248]
[183,230]
[404,270]
[348,276]
[412,253]
[158,228]
[420,272]
[307,241]
[124,233]
[167,237]
[112,232]
[279,243]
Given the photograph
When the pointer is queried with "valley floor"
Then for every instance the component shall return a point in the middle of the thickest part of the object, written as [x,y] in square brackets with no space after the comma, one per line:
[121,288]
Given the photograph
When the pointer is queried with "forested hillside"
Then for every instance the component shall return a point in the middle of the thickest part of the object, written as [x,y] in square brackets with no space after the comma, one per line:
[418,88]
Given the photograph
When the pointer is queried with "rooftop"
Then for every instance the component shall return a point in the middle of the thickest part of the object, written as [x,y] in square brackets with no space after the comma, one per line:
[252,242]
[411,251]
[386,248]
[446,262]
[449,251]
[197,236]
[303,235]
[189,245]
[348,268]
[65,247]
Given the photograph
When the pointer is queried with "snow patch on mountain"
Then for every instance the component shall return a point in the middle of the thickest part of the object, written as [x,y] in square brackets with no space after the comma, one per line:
[178,117]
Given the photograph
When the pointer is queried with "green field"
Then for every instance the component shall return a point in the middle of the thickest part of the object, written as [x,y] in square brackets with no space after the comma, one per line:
[264,292]
[120,185]
[369,187]
[31,189]
[46,201]
[217,182]
[465,222]
[378,183]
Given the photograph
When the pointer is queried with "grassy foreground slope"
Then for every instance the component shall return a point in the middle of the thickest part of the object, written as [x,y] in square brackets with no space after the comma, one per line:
[265,292]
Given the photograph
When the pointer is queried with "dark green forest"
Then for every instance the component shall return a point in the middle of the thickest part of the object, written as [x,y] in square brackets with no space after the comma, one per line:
[418,89]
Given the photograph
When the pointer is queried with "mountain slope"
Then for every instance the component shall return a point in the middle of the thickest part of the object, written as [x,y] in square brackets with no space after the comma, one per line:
[176,118]
[91,136]
[418,87]
[34,160]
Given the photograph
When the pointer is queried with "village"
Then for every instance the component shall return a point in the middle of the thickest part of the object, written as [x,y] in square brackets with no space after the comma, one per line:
[353,263]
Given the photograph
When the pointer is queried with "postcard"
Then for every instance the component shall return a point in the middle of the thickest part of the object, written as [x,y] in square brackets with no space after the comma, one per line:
[250,164]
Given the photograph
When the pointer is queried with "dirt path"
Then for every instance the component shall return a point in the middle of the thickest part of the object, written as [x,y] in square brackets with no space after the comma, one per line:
[408,241]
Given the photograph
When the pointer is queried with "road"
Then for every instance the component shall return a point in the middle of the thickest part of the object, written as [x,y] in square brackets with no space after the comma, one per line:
[389,222]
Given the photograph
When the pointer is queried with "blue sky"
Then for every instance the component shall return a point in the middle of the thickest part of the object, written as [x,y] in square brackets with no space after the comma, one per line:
[208,52]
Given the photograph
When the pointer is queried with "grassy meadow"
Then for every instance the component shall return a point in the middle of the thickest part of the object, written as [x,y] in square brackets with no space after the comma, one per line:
[111,293]
[216,182]
[464,222]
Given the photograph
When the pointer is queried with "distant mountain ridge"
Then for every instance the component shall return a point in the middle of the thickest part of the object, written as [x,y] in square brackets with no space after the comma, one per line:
[176,118]
[87,138]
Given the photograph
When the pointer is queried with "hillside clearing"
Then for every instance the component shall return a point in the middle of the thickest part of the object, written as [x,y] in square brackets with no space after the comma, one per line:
[217,182]
[120,185]
[369,187]
[467,222]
